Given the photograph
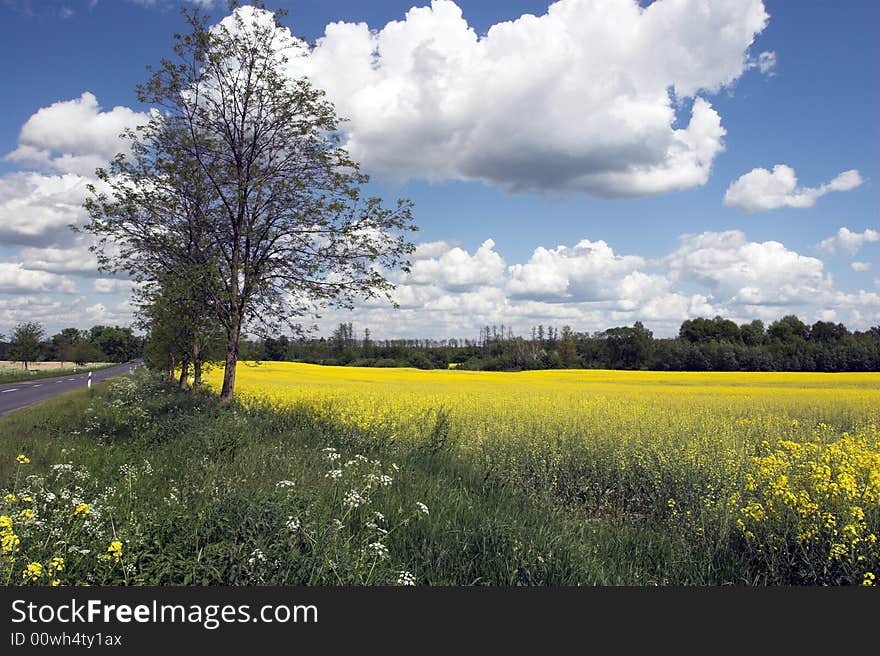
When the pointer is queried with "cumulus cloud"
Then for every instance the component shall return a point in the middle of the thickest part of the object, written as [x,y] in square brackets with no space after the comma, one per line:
[589,271]
[739,271]
[861,266]
[760,189]
[457,269]
[591,287]
[15,279]
[847,242]
[74,259]
[111,285]
[74,136]
[583,98]
[429,249]
[37,209]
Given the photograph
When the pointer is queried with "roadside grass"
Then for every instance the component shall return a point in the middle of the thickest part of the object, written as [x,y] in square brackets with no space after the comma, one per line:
[135,483]
[8,375]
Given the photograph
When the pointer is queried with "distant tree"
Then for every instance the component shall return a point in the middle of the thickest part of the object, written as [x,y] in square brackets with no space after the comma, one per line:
[117,343]
[567,348]
[61,344]
[787,329]
[83,351]
[752,334]
[276,350]
[827,331]
[628,348]
[25,346]
[702,330]
[367,344]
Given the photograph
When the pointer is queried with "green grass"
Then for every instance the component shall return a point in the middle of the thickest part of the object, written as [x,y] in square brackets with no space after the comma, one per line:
[8,375]
[191,490]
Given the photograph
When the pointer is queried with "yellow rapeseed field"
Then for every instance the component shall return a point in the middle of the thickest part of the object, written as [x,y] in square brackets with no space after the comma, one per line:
[788,462]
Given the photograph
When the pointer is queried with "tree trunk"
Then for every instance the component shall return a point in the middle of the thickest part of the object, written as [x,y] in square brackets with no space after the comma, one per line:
[232,336]
[197,367]
[171,367]
[184,372]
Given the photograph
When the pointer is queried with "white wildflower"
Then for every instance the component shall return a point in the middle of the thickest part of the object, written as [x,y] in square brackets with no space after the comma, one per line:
[334,474]
[406,578]
[353,499]
[257,556]
[285,483]
[378,548]
[422,508]
[293,524]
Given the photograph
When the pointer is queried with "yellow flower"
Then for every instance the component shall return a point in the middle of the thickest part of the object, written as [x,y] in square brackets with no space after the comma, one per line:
[26,514]
[27,499]
[10,498]
[56,565]
[23,459]
[870,579]
[114,551]
[32,572]
[55,583]
[81,509]
[5,523]
[9,543]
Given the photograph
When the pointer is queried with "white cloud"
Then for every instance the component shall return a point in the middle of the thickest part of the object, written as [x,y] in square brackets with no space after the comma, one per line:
[766,63]
[846,242]
[457,269]
[760,189]
[591,287]
[74,259]
[583,98]
[15,279]
[37,209]
[111,285]
[74,136]
[427,250]
[589,271]
[861,266]
[737,271]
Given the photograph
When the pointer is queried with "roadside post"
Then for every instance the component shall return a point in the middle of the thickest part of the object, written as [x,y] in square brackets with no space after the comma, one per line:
[90,380]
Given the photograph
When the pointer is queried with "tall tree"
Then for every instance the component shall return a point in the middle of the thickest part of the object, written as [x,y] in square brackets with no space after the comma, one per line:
[283,223]
[26,346]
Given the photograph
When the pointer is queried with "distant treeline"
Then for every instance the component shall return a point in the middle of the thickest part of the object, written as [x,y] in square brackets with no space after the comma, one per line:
[29,343]
[702,345]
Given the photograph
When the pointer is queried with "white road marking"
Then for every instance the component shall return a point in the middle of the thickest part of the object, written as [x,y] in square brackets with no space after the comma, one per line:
[37,385]
[14,389]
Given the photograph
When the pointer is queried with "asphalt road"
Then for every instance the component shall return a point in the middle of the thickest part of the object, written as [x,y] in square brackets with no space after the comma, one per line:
[18,395]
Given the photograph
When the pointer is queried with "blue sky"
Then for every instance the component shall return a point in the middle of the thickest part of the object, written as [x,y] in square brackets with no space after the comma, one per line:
[808,103]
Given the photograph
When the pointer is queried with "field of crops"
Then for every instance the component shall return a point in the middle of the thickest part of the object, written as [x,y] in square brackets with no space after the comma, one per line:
[347,476]
[787,466]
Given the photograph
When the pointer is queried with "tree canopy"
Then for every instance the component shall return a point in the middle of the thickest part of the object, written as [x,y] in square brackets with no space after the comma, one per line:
[240,182]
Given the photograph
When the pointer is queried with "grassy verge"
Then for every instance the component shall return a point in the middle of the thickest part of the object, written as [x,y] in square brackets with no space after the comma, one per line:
[19,375]
[135,483]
